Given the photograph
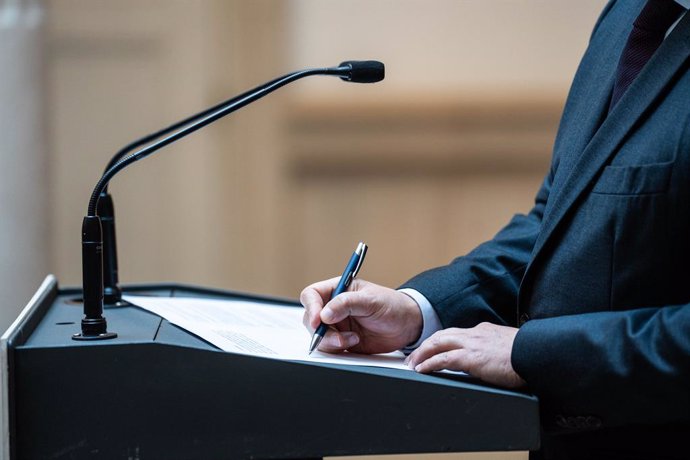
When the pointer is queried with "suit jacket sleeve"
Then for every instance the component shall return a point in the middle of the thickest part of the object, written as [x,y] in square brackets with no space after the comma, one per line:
[483,285]
[621,368]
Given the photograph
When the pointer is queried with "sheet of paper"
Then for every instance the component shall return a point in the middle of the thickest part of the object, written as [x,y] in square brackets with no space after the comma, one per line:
[253,328]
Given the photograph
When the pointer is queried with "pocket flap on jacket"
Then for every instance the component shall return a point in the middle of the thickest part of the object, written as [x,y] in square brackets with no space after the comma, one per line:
[634,180]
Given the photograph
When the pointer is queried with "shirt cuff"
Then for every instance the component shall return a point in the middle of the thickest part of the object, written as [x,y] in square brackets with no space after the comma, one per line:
[430,321]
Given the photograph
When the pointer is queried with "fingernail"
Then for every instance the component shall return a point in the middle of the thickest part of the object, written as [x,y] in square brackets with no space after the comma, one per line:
[351,339]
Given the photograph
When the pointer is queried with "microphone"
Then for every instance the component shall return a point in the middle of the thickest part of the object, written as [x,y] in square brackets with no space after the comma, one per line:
[363,71]
[94,325]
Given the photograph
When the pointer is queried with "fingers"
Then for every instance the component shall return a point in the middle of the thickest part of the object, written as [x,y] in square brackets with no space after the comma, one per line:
[452,360]
[439,349]
[483,351]
[383,319]
[313,298]
[338,341]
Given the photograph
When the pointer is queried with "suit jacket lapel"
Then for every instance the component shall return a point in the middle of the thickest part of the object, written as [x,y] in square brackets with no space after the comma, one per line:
[577,171]
[590,93]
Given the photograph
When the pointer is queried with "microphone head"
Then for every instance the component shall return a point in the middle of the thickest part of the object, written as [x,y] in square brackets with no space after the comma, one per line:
[363,71]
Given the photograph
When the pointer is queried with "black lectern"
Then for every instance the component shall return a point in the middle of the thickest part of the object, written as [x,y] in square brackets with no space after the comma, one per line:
[158,392]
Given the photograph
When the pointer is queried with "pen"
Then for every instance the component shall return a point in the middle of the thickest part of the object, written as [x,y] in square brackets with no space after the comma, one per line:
[349,274]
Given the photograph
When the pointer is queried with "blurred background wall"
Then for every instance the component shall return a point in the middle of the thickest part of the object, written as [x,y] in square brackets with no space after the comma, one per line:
[422,166]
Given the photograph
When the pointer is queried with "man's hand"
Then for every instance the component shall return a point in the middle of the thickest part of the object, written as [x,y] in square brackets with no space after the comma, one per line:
[483,351]
[366,319]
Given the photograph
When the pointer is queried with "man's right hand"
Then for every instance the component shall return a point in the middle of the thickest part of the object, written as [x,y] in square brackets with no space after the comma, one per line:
[368,318]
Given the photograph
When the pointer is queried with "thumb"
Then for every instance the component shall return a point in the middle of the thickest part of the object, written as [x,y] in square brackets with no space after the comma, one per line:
[348,304]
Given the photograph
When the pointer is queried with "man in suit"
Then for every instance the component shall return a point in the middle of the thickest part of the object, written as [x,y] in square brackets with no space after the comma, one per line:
[585,300]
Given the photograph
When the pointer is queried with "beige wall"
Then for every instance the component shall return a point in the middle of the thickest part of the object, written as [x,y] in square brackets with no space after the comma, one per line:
[235,205]
[24,178]
[440,46]
[423,166]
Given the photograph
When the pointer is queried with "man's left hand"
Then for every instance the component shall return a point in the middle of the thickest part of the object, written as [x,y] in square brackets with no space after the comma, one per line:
[483,351]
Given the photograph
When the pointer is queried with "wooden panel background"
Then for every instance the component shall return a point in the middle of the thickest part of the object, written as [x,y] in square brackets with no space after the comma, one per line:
[420,181]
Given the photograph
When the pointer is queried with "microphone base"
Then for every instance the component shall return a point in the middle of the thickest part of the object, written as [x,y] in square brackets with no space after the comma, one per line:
[103,336]
[94,329]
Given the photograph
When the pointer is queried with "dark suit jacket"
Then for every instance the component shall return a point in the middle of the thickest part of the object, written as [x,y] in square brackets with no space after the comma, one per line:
[597,275]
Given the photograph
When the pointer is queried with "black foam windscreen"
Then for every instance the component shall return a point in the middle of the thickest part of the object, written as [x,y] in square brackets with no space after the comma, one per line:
[364,71]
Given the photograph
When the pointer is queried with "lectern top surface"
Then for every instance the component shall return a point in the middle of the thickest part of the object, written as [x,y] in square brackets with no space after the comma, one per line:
[136,326]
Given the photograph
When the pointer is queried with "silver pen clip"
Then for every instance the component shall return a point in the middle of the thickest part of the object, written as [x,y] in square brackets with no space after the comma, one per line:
[361,251]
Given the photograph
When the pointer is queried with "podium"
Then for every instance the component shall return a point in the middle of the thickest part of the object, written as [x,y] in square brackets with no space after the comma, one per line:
[159,392]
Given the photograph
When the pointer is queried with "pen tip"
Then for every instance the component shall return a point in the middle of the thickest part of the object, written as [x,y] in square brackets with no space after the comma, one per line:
[315,341]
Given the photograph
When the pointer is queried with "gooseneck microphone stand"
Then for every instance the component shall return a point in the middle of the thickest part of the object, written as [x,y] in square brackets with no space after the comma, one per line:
[94,325]
[112,293]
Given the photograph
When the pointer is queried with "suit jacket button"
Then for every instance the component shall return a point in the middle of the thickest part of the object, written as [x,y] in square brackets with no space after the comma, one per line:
[524,317]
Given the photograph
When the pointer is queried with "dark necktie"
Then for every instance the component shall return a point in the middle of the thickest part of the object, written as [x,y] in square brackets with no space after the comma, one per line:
[649,30]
